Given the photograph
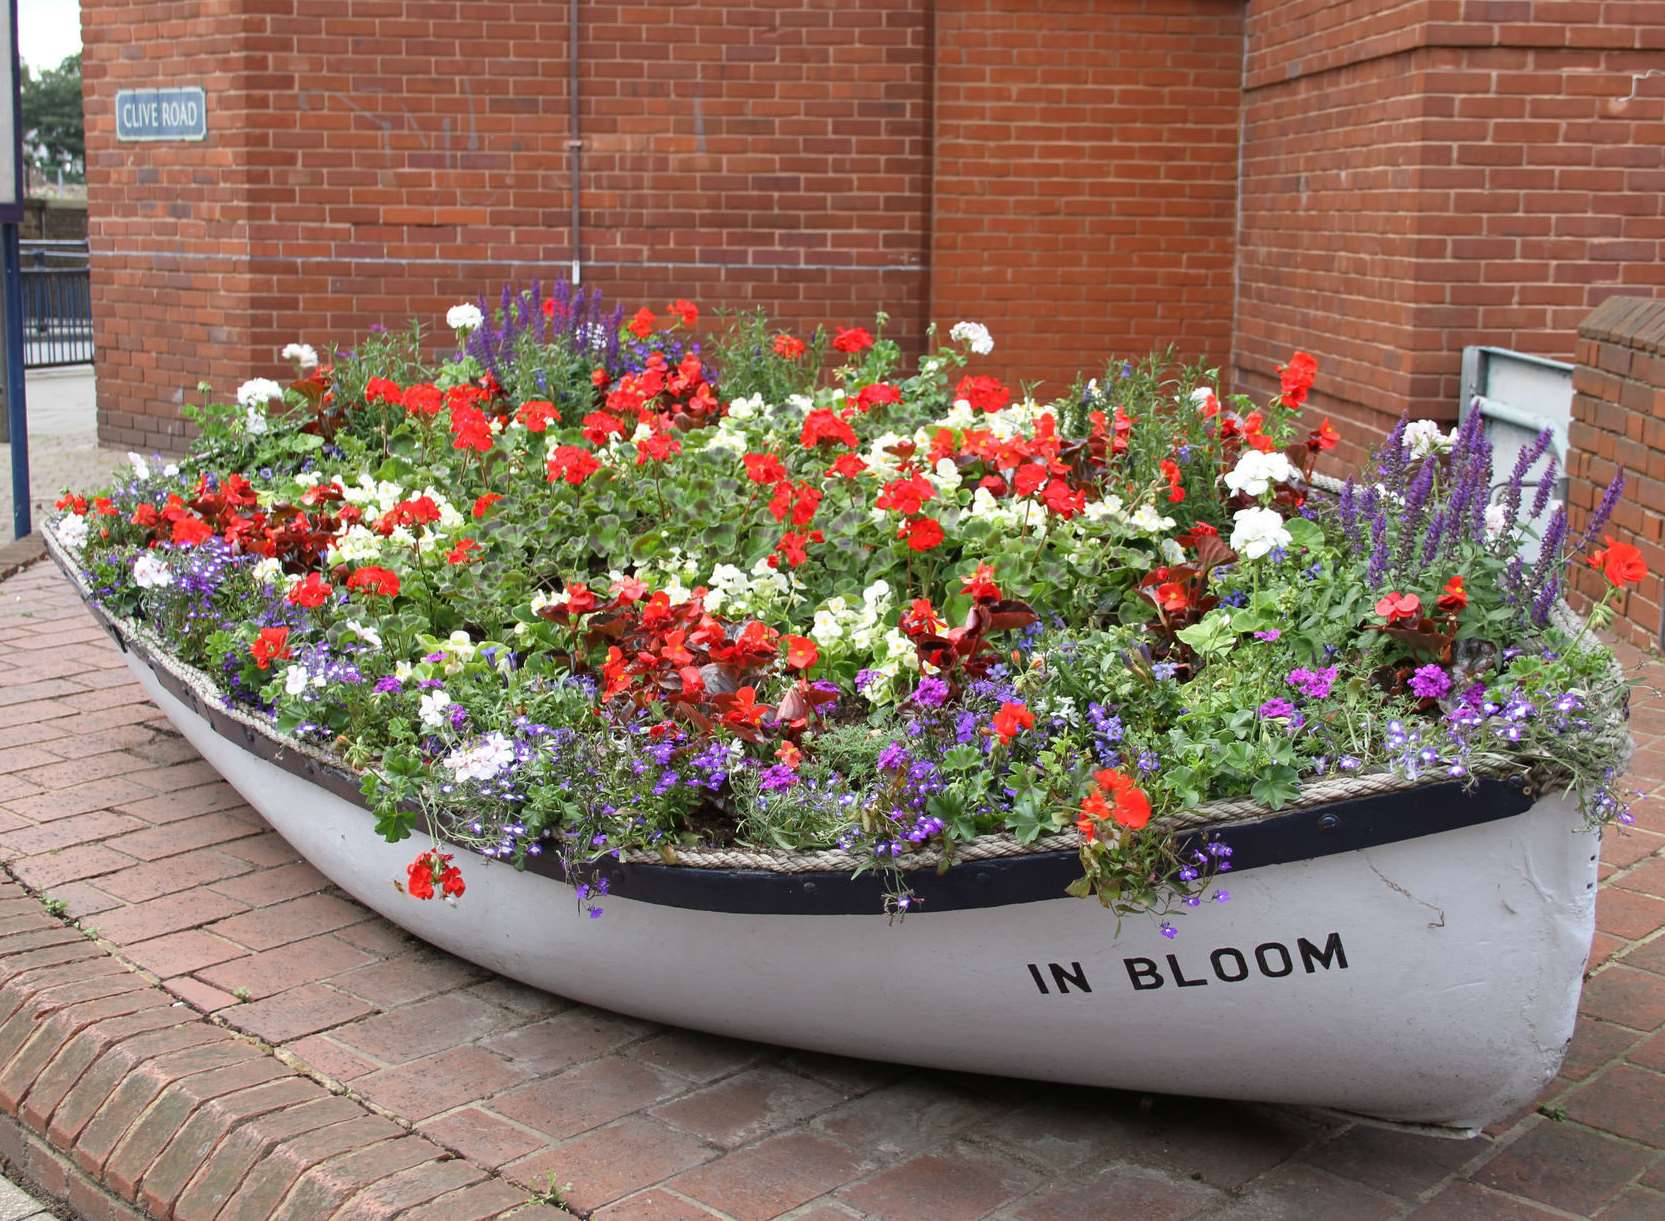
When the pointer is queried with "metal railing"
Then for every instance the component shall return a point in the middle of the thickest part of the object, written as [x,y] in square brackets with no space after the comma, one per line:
[57,304]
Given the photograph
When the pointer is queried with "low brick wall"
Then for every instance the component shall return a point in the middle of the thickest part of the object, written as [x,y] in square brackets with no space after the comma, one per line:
[1619,424]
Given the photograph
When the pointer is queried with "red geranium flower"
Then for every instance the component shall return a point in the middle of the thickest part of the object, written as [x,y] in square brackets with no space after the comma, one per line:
[272,644]
[470,429]
[423,400]
[1132,806]
[824,425]
[537,415]
[687,311]
[658,448]
[923,533]
[852,339]
[983,393]
[1621,563]
[794,548]
[764,468]
[459,553]
[572,463]
[310,592]
[641,325]
[906,495]
[847,466]
[788,347]
[484,502]
[371,580]
[1397,606]
[1011,720]
[189,530]
[1296,378]
[433,866]
[599,425]
[801,652]
[383,390]
[879,394]
[1455,597]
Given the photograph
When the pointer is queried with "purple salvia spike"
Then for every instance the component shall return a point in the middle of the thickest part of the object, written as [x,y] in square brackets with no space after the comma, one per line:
[1546,488]
[1431,544]
[1348,511]
[1416,503]
[1517,477]
[1377,572]
[1604,511]
[1549,553]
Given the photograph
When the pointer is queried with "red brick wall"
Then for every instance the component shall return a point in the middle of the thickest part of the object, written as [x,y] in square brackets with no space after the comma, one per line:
[1619,424]
[1063,172]
[1435,173]
[1085,189]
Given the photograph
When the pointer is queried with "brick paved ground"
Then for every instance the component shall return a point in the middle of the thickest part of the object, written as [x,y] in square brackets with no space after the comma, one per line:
[465,1091]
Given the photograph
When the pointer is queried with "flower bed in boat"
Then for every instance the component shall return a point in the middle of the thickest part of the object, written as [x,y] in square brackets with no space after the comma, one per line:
[597,585]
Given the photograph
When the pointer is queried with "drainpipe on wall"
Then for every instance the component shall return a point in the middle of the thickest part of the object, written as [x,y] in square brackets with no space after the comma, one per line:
[575,142]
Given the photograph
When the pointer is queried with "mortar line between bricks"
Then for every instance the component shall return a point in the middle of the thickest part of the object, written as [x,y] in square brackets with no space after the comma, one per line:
[282,1055]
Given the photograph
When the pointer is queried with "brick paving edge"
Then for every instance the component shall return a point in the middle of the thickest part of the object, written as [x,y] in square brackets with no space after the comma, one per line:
[20,553]
[120,1101]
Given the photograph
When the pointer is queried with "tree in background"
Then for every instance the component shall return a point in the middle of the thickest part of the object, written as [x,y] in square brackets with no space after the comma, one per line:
[54,135]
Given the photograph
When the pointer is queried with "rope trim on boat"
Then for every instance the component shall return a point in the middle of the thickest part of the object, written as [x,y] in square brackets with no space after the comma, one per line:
[1223,814]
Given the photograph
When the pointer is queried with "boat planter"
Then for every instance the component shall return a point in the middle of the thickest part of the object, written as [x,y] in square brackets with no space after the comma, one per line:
[1407,953]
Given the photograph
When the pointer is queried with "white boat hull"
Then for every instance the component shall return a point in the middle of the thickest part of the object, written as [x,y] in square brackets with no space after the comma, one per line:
[1434,980]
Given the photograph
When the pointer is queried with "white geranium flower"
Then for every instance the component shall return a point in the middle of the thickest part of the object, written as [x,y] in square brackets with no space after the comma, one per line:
[483,760]
[303,354]
[1496,519]
[141,468]
[974,335]
[296,679]
[1256,472]
[257,392]
[1257,531]
[254,421]
[72,531]
[432,711]
[171,469]
[150,572]
[365,632]
[464,317]
[1200,396]
[1423,437]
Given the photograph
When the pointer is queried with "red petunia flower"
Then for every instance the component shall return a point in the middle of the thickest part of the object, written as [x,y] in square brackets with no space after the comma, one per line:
[310,592]
[272,644]
[1011,720]
[852,339]
[383,582]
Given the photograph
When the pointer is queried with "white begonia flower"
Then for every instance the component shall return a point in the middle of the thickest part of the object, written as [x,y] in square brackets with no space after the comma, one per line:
[268,570]
[946,475]
[171,469]
[1423,437]
[432,710]
[141,468]
[150,572]
[1255,473]
[1496,519]
[296,679]
[745,409]
[257,392]
[483,760]
[1201,395]
[1172,551]
[974,335]
[72,531]
[303,354]
[365,632]
[465,317]
[1257,531]
[1147,520]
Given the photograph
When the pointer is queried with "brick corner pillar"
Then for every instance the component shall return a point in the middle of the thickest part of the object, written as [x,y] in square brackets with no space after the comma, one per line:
[167,220]
[1618,425]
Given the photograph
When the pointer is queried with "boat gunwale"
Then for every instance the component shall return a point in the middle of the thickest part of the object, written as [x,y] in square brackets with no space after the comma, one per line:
[1308,833]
